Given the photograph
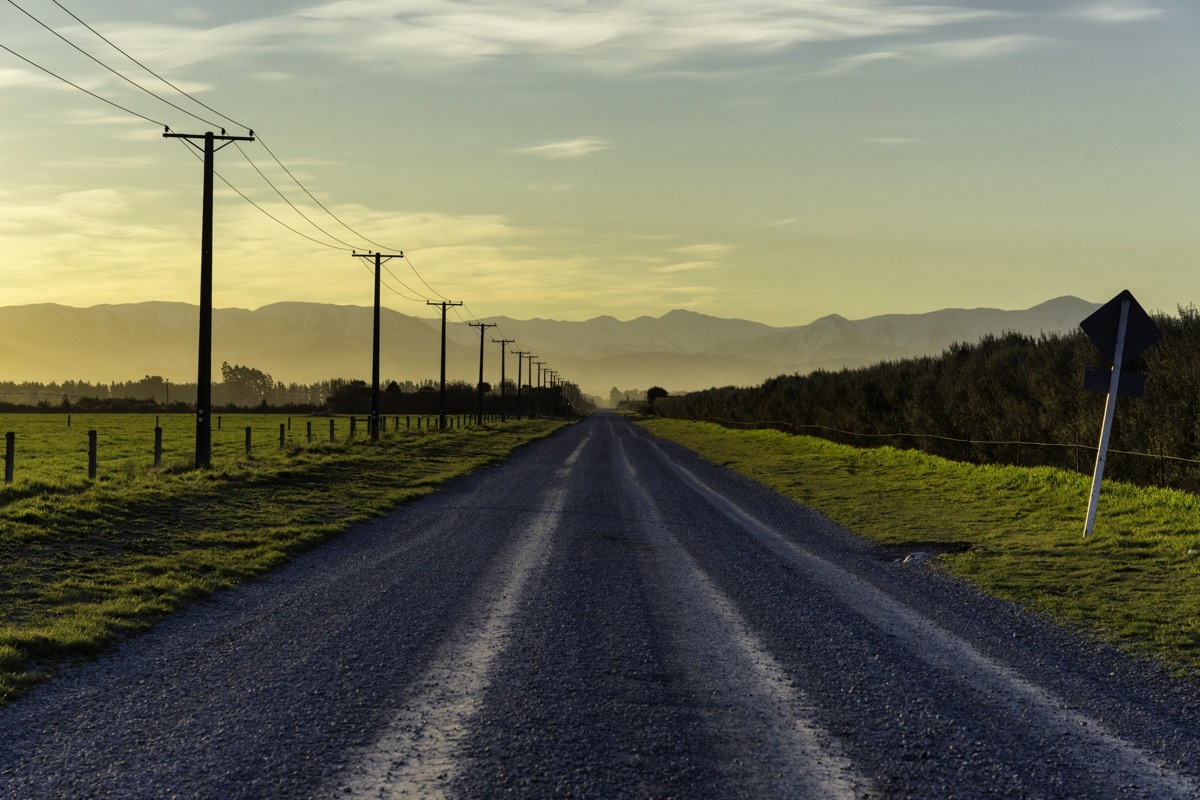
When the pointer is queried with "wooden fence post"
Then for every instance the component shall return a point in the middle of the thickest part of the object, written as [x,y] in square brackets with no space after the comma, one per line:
[157,446]
[91,455]
[10,454]
[353,426]
[309,431]
[248,436]
[282,435]
[331,430]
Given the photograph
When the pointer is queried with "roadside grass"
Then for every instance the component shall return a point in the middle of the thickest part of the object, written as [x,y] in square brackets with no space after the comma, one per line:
[81,566]
[1014,532]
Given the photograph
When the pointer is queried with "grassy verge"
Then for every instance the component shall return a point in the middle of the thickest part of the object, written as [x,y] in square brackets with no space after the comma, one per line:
[79,569]
[1016,533]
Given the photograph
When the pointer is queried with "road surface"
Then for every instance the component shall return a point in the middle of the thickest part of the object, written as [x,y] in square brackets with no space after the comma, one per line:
[605,615]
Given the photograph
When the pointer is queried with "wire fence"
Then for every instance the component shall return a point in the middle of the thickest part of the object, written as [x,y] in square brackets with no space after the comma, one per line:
[1079,457]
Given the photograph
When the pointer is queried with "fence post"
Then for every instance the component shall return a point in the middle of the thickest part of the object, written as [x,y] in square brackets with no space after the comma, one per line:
[91,455]
[10,453]
[68,420]
[408,423]
[289,423]
[157,446]
[282,436]
[331,430]
[353,426]
[309,430]
[218,423]
[248,430]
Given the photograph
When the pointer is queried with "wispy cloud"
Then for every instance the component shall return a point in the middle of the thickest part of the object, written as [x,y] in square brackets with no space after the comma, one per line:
[614,36]
[687,266]
[946,52]
[1118,12]
[704,249]
[570,148]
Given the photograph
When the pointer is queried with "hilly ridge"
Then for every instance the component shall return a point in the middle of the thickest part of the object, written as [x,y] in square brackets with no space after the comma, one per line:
[307,342]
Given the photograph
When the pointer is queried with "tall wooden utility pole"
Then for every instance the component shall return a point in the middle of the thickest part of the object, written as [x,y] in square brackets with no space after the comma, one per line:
[442,393]
[503,389]
[483,326]
[204,368]
[520,354]
[536,395]
[373,424]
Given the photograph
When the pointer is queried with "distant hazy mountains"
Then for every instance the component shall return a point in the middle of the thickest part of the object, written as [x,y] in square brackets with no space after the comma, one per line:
[306,342]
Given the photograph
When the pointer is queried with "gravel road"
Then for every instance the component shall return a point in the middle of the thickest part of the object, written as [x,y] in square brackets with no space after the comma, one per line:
[605,615]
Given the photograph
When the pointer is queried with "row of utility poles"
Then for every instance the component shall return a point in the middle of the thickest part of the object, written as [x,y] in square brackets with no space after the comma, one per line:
[546,376]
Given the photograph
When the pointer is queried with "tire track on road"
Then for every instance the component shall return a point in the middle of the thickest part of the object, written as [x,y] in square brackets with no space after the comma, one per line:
[752,707]
[419,754]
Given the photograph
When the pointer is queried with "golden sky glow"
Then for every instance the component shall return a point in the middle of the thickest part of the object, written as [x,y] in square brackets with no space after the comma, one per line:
[765,159]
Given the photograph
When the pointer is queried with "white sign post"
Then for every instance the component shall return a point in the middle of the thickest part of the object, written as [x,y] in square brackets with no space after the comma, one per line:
[1121,330]
[1110,410]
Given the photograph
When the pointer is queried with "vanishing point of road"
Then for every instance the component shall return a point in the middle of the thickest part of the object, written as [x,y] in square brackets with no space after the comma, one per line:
[605,615]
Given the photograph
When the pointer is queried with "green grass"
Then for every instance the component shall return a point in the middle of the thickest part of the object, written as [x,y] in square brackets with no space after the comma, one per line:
[1016,533]
[84,563]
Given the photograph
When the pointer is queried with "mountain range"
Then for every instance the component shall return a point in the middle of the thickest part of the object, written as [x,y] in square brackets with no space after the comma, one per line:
[307,342]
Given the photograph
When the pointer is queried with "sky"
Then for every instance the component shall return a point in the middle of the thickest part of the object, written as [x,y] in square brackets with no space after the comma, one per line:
[771,160]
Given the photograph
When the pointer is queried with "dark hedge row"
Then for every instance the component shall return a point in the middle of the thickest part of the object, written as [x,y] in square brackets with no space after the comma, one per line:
[1010,398]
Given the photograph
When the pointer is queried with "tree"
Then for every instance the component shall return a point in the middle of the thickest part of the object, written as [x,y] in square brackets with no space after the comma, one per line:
[654,393]
[245,385]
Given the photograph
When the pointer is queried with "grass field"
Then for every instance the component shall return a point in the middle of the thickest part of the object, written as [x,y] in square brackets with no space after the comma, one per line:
[85,562]
[1016,533]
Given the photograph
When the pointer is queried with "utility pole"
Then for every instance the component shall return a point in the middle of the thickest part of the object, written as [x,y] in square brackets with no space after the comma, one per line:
[373,425]
[537,411]
[442,393]
[529,399]
[483,326]
[503,389]
[204,368]
[520,353]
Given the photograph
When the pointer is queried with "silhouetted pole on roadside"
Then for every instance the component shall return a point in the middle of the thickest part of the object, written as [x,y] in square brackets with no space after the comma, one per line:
[204,368]
[520,354]
[442,393]
[536,394]
[483,326]
[503,389]
[373,423]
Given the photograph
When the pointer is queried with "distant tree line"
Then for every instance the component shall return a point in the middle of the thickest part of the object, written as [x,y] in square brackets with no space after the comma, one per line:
[1021,390]
[244,387]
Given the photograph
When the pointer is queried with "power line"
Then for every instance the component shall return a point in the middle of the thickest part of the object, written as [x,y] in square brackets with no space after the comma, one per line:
[55,75]
[143,66]
[243,195]
[289,202]
[128,80]
[430,288]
